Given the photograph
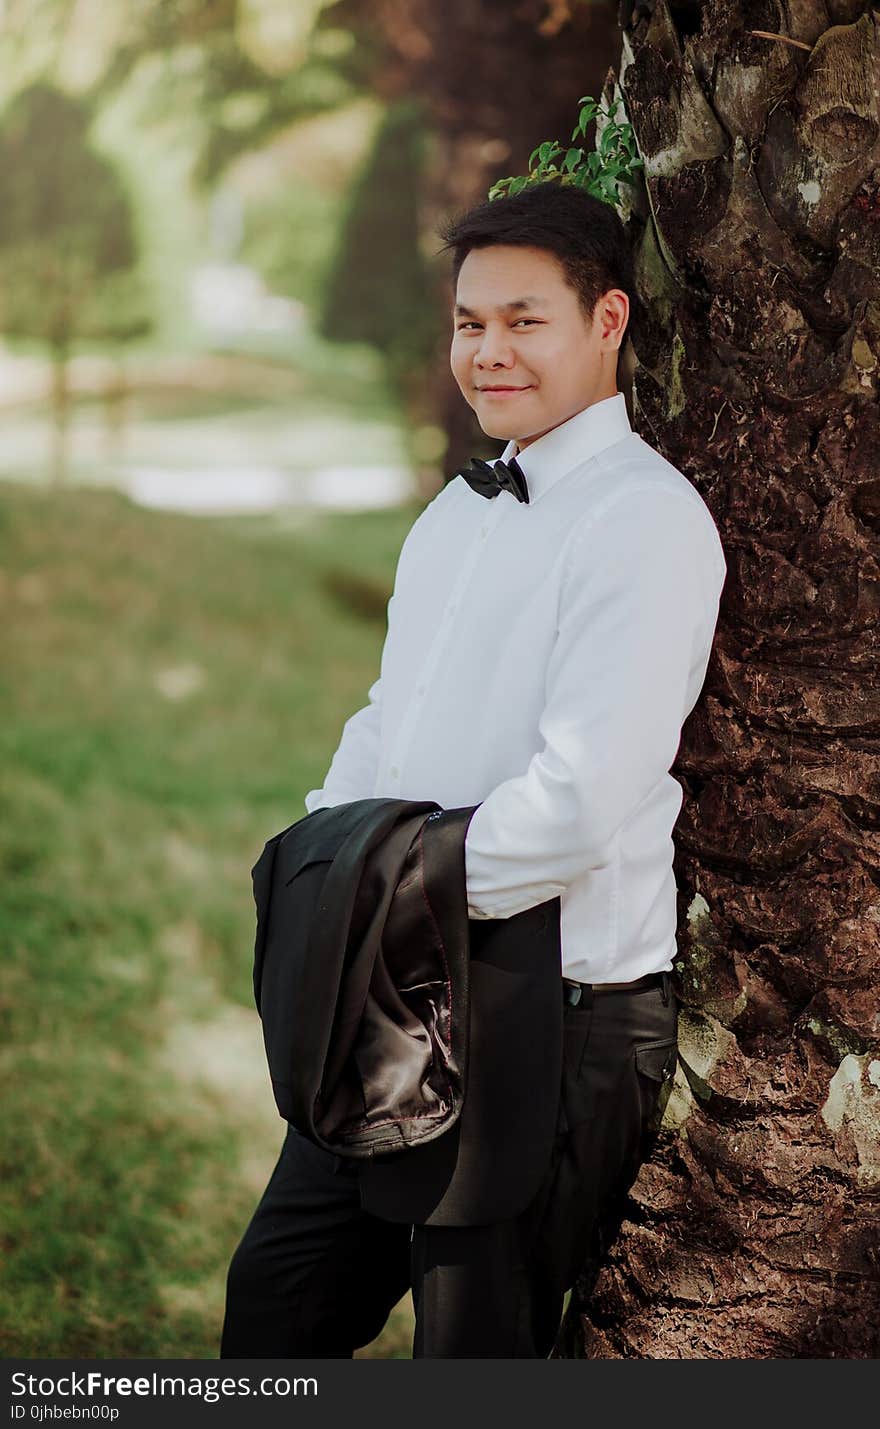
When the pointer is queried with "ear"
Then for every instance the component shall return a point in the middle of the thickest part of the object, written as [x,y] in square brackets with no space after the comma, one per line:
[612,315]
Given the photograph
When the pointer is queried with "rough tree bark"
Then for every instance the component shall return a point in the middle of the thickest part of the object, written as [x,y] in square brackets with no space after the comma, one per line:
[753,1231]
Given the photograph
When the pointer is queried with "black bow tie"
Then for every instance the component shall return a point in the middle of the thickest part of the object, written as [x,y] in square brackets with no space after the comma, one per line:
[488,480]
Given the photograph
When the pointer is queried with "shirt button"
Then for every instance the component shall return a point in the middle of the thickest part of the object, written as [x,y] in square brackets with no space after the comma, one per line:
[484,530]
[395,772]
[420,689]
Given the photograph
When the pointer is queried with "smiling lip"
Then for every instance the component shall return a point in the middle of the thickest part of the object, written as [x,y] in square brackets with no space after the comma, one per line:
[503,391]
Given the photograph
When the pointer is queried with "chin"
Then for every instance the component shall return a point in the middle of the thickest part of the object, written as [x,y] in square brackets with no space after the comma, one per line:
[499,428]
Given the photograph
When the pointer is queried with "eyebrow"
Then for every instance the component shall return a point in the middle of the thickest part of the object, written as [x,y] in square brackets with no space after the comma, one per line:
[515,306]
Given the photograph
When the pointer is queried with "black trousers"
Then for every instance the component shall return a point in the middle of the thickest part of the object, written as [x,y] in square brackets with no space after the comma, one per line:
[316,1276]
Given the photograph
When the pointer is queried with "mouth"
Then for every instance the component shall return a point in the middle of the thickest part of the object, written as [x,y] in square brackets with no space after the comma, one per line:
[502,391]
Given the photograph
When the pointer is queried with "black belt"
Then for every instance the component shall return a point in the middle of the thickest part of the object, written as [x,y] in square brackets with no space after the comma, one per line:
[575,993]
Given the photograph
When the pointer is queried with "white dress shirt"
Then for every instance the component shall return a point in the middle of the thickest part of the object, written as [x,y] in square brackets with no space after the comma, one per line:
[540,661]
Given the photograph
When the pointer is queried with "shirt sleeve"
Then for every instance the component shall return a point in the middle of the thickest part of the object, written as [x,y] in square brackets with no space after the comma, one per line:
[638,604]
[354,766]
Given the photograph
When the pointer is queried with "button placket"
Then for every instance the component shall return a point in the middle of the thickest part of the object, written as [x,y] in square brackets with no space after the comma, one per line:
[438,645]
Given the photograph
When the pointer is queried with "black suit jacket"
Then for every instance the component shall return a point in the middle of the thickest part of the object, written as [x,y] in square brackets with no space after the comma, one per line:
[398,1031]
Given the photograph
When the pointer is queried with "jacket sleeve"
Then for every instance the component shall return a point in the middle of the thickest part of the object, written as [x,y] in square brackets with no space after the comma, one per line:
[638,604]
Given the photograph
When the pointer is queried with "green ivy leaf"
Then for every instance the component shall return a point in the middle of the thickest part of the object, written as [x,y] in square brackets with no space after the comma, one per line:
[608,139]
[612,161]
[608,187]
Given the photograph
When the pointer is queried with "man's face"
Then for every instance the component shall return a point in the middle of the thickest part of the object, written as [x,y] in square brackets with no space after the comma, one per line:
[519,328]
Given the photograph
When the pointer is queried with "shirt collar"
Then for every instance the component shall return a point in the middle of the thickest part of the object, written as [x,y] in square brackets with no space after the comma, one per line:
[574,441]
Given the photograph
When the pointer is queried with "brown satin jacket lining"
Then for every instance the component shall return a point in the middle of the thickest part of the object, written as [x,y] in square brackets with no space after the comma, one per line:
[390,1064]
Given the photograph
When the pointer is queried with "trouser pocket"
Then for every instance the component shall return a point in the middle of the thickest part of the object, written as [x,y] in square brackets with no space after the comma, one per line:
[655,1070]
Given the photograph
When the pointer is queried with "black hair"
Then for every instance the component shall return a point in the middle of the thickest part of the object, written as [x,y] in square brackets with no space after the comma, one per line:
[586,235]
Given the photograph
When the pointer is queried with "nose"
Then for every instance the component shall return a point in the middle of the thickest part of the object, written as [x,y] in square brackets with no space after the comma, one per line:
[494,348]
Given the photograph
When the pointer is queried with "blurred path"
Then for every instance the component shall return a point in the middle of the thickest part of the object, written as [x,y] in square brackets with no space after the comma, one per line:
[210,434]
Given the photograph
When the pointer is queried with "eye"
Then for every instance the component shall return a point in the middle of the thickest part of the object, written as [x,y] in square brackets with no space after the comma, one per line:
[462,326]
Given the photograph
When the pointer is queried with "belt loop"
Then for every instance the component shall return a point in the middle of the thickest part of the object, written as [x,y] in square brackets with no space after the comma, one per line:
[665,987]
[577,994]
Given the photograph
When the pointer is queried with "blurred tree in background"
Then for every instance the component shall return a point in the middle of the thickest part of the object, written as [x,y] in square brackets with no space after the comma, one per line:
[378,288]
[68,253]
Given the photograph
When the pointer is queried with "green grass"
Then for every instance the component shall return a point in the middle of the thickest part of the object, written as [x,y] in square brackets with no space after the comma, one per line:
[171,688]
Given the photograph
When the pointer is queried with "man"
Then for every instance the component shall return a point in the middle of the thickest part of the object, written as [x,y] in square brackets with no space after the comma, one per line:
[548,634]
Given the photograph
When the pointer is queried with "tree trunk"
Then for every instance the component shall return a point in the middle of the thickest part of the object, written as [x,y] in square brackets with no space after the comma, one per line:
[60,415]
[752,1232]
[116,396]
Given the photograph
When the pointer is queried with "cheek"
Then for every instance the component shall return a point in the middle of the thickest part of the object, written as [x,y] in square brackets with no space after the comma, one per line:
[460,363]
[543,357]
[553,352]
[563,364]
